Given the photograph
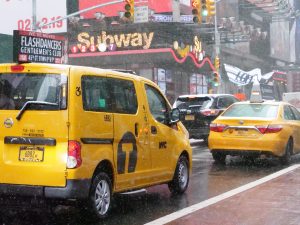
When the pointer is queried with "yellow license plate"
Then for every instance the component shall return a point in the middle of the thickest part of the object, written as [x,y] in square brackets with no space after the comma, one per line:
[31,154]
[189,117]
[242,132]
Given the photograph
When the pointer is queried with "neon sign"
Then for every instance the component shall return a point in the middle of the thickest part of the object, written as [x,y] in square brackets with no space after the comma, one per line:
[111,42]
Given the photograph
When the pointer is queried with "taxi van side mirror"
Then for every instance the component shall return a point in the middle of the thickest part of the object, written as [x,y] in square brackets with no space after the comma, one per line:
[174,115]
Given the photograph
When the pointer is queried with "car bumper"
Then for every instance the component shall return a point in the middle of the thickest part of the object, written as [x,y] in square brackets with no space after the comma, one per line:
[236,146]
[74,189]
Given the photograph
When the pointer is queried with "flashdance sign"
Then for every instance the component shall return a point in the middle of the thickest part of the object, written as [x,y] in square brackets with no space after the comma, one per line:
[39,47]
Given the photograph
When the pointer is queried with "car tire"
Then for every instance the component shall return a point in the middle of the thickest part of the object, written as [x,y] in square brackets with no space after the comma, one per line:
[219,157]
[181,177]
[100,196]
[286,158]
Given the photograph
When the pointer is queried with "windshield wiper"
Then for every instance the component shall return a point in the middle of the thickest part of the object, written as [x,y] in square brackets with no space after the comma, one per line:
[33,103]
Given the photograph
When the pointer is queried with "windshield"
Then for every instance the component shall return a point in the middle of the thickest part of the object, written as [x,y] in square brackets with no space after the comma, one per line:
[252,110]
[17,89]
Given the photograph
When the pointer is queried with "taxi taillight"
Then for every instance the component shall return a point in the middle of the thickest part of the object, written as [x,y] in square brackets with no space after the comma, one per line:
[217,127]
[268,129]
[74,159]
[17,68]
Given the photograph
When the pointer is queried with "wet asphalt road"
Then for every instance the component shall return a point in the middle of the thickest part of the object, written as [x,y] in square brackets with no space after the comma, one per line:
[208,179]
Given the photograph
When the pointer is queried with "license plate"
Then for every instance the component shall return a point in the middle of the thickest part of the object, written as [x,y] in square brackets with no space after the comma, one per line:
[31,154]
[189,117]
[241,132]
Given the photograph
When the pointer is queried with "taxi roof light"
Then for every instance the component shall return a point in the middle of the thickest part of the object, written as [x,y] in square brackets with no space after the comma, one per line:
[256,96]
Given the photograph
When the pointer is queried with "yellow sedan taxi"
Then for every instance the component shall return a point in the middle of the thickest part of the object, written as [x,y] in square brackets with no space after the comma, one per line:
[252,129]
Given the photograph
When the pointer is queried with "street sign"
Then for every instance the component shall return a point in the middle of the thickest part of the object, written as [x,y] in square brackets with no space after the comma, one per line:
[141,14]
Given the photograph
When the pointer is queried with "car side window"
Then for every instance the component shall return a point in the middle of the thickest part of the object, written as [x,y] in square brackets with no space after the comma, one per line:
[123,95]
[223,102]
[157,104]
[96,94]
[296,113]
[230,100]
[102,94]
[288,113]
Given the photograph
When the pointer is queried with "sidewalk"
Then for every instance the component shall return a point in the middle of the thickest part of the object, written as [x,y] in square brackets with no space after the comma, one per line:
[272,200]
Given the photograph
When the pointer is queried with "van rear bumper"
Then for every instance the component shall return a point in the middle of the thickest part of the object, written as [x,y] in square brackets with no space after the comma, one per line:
[75,189]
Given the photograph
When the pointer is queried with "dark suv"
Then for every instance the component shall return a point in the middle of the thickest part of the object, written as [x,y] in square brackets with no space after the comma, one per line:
[197,111]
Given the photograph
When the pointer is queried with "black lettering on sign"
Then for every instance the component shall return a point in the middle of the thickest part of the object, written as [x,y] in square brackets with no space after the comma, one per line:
[107,118]
[128,138]
[162,144]
[78,91]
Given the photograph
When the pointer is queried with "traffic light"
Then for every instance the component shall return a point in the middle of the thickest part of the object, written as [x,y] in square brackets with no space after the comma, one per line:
[217,62]
[211,7]
[204,10]
[195,11]
[129,9]
[215,79]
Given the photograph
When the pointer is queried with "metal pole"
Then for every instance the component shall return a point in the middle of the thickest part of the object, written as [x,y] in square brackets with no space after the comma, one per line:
[34,27]
[81,11]
[217,45]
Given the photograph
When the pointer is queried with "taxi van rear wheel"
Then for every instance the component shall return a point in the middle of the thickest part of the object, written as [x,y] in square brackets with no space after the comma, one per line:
[100,195]
[286,158]
[181,177]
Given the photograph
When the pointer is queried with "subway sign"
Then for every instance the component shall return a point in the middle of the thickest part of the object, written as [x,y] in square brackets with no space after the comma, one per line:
[39,47]
[105,41]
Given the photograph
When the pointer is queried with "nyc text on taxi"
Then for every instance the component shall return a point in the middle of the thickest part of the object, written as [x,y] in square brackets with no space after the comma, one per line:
[71,132]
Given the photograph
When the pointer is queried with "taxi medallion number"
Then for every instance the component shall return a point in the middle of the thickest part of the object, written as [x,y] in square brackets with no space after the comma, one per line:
[31,154]
[189,117]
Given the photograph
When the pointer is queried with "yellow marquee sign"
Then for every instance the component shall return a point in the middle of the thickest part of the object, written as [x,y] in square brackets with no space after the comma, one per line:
[143,40]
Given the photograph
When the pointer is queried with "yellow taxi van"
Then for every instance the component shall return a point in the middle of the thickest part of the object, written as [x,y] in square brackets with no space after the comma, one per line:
[73,132]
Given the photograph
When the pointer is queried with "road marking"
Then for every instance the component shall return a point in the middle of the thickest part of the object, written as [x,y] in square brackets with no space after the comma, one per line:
[218,198]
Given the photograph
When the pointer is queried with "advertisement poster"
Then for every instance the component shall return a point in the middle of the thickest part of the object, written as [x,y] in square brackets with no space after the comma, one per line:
[161,75]
[39,47]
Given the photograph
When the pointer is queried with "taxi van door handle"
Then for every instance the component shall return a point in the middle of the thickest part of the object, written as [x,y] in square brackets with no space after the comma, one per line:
[153,130]
[136,130]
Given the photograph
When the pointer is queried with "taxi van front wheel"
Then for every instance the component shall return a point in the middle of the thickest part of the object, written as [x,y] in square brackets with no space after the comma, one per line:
[181,177]
[100,195]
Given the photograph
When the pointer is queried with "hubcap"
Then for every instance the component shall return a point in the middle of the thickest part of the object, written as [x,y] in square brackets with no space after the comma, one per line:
[182,175]
[102,197]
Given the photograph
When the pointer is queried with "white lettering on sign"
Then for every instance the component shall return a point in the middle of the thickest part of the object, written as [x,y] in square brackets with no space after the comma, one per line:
[120,40]
[169,18]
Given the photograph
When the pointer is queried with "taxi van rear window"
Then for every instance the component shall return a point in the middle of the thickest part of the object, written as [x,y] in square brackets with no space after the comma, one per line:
[252,110]
[17,89]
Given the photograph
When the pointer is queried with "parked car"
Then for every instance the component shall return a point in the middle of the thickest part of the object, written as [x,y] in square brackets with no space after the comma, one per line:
[197,111]
[252,129]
